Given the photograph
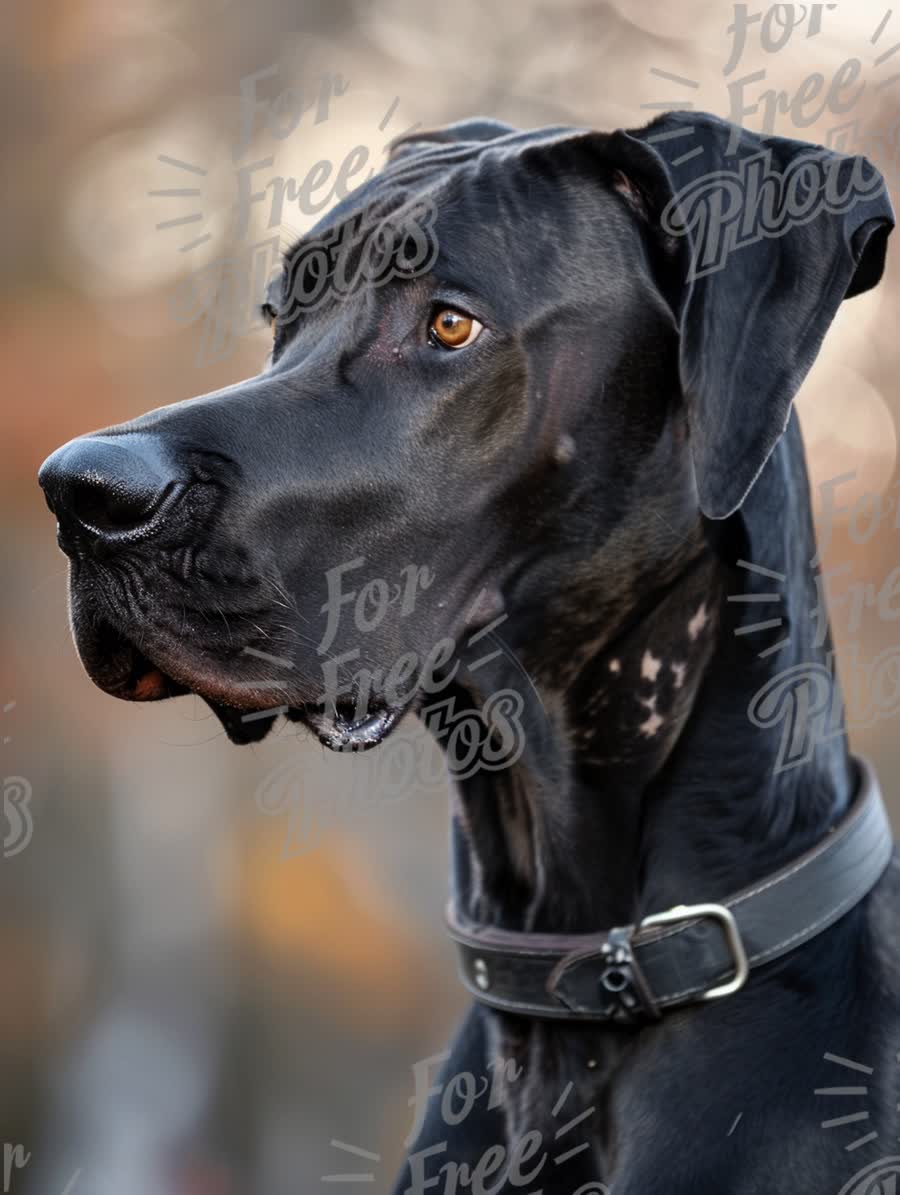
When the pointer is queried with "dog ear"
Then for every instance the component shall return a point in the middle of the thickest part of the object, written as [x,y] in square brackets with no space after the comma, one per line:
[765,236]
[480,128]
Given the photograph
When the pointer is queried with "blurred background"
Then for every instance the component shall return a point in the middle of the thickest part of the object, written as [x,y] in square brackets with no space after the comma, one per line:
[218,960]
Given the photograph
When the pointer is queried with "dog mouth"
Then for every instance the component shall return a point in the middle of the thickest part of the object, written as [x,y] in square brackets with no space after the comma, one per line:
[342,727]
[121,668]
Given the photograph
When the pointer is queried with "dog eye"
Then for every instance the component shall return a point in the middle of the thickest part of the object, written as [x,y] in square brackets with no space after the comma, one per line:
[269,314]
[452,329]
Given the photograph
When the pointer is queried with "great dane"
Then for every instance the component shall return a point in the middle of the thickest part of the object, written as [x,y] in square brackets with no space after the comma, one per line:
[565,410]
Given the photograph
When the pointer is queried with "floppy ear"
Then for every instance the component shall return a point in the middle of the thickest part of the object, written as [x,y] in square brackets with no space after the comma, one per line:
[769,236]
[480,128]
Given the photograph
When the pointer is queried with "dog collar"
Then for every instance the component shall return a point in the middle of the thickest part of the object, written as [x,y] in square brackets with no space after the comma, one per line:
[685,954]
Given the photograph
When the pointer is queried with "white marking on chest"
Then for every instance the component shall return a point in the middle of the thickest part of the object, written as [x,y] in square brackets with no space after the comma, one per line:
[698,622]
[615,666]
[650,666]
[649,728]
[651,725]
[678,671]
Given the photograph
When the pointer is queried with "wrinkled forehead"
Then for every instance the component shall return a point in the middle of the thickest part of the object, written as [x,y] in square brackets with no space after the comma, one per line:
[466,211]
[434,168]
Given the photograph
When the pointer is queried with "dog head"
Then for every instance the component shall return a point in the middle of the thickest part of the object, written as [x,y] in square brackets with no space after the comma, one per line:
[503,357]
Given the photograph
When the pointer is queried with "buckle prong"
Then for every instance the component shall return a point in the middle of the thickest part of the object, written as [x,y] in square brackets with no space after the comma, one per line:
[726,920]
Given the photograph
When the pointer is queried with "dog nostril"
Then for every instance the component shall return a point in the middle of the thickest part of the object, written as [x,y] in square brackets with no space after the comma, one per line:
[102,488]
[106,507]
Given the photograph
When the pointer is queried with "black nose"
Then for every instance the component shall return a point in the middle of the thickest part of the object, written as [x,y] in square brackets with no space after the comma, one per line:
[108,489]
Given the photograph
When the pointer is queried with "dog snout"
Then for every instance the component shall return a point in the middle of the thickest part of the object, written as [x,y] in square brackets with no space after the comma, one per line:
[108,489]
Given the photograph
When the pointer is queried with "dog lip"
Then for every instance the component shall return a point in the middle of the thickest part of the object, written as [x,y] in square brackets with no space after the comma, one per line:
[340,732]
[121,669]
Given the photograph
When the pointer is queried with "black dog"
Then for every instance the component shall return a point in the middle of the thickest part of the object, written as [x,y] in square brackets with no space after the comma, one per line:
[567,408]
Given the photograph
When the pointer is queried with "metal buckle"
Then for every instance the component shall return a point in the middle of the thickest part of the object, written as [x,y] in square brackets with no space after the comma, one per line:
[623,989]
[729,926]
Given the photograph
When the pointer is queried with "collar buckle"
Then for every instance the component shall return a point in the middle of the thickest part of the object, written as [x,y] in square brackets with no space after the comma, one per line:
[728,925]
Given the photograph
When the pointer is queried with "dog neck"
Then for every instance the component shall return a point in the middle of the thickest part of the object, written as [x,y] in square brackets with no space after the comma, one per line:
[642,781]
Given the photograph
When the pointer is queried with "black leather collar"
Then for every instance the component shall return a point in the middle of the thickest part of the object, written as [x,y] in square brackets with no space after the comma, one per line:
[686,954]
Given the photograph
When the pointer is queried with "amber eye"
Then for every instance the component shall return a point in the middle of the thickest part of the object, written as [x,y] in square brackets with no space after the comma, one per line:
[453,330]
